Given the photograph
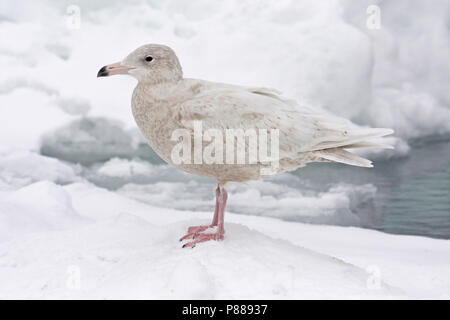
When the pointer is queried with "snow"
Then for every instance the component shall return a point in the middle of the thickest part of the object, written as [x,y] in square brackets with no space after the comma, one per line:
[29,114]
[39,207]
[20,167]
[124,168]
[87,210]
[115,247]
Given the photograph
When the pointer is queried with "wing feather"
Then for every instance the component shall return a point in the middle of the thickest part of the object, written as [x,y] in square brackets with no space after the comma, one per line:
[301,128]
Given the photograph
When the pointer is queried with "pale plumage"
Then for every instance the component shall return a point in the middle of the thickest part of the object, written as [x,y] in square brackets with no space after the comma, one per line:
[164,101]
[305,135]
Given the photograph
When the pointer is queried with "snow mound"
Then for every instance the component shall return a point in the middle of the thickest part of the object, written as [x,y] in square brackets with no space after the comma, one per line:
[115,247]
[247,265]
[38,207]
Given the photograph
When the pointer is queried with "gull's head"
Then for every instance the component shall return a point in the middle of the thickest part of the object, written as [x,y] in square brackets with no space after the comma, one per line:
[150,63]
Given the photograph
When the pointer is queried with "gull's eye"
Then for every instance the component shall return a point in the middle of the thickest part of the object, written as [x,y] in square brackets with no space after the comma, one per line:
[148,58]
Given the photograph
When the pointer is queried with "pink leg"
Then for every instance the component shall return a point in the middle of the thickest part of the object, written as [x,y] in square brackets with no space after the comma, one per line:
[195,230]
[218,220]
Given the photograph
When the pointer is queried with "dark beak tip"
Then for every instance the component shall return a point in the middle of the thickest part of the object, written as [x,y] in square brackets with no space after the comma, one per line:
[102,72]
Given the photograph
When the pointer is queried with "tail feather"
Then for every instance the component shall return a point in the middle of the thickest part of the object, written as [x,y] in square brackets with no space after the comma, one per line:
[343,156]
[353,138]
[335,150]
[368,144]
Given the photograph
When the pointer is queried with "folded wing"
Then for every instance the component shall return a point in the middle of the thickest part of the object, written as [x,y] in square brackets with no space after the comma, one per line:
[302,129]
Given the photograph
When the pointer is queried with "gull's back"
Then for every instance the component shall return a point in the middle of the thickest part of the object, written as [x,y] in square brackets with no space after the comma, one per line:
[305,134]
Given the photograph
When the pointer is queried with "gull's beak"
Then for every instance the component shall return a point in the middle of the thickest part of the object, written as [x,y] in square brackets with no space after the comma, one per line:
[112,69]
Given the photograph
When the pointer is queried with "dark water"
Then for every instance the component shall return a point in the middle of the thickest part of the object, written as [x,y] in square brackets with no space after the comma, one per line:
[413,193]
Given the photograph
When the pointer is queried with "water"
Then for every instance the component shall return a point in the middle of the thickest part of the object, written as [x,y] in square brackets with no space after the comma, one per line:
[413,193]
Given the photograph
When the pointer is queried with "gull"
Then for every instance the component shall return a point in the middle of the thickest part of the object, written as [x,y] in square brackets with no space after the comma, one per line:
[164,103]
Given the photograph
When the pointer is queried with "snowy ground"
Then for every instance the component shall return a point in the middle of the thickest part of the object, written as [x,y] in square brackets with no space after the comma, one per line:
[87,242]
[87,210]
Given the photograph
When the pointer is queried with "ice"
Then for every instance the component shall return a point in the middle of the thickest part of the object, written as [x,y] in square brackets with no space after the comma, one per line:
[21,167]
[396,76]
[410,66]
[124,168]
[26,114]
[339,205]
[94,139]
[74,105]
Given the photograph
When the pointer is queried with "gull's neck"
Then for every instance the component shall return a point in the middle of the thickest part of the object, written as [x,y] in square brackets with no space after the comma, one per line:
[157,91]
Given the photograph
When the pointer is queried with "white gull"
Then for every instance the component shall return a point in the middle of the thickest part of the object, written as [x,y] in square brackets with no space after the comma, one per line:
[165,103]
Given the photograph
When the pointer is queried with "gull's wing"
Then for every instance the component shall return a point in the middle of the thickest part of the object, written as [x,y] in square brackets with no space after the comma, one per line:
[301,128]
